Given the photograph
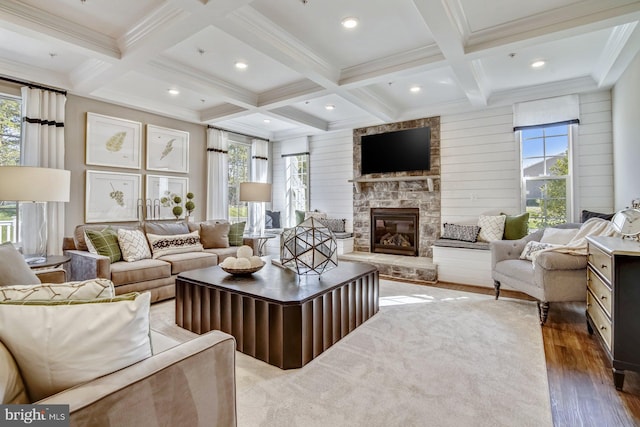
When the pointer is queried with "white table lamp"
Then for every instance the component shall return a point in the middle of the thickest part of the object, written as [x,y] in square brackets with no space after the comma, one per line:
[256,193]
[39,186]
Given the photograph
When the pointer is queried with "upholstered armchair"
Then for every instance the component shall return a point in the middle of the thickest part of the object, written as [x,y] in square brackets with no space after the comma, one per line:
[550,277]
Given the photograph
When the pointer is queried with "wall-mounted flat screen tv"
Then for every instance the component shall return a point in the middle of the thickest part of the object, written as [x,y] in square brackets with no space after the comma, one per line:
[398,151]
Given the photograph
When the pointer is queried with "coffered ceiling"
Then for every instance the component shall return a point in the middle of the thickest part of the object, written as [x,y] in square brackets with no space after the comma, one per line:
[461,54]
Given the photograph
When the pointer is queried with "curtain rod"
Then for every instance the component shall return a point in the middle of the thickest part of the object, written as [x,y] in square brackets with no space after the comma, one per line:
[237,133]
[33,85]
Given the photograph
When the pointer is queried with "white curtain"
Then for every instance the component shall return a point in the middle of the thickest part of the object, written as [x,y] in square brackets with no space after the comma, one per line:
[259,173]
[217,174]
[43,146]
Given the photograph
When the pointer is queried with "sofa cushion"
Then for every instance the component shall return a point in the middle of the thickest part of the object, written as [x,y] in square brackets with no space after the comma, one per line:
[105,243]
[82,340]
[190,261]
[87,289]
[466,233]
[14,270]
[223,253]
[133,245]
[123,272]
[12,390]
[215,235]
[80,238]
[174,244]
[491,227]
[516,226]
[235,233]
[166,228]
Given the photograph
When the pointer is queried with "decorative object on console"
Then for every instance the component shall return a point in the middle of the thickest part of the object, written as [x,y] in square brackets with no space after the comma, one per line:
[189,204]
[244,263]
[309,248]
[162,191]
[256,193]
[627,223]
[39,186]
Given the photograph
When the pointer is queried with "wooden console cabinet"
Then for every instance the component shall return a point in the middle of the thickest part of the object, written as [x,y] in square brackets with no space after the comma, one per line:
[613,301]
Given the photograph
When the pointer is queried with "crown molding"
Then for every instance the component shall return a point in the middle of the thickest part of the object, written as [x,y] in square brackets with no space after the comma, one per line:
[612,50]
[153,23]
[22,71]
[222,112]
[290,93]
[24,16]
[297,117]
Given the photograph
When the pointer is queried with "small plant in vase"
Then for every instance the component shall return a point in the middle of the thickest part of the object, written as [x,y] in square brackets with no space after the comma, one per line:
[189,205]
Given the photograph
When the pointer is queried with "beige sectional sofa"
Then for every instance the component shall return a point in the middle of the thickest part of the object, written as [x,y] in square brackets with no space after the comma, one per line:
[156,275]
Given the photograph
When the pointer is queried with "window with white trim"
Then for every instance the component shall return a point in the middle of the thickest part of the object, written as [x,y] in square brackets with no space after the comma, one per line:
[546,173]
[10,148]
[239,171]
[296,184]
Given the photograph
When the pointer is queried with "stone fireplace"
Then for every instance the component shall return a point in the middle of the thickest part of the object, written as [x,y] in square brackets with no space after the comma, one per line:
[398,190]
[395,231]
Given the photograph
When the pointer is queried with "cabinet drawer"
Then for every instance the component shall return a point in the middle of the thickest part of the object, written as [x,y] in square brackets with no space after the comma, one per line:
[600,261]
[600,320]
[600,290]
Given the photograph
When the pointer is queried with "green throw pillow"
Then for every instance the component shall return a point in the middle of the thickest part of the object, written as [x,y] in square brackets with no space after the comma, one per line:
[106,243]
[516,226]
[235,234]
[300,216]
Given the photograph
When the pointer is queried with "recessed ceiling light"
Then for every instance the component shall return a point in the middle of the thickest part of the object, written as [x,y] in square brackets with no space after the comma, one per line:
[350,22]
[174,91]
[415,89]
[538,64]
[330,107]
[240,65]
[267,121]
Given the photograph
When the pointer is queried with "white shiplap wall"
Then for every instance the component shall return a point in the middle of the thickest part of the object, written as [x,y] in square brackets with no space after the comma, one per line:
[480,160]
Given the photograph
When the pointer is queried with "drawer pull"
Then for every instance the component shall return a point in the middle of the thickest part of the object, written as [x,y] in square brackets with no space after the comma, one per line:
[588,304]
[603,328]
[603,266]
[603,297]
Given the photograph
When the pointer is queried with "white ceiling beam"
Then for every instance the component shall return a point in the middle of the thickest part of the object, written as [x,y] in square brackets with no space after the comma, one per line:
[293,115]
[447,36]
[606,72]
[291,93]
[222,112]
[32,21]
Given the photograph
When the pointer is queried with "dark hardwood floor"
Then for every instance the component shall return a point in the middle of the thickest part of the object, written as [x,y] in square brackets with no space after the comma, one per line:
[580,380]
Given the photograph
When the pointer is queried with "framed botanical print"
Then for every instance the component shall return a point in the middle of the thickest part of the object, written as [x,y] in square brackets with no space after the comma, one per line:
[113,142]
[167,149]
[160,192]
[112,196]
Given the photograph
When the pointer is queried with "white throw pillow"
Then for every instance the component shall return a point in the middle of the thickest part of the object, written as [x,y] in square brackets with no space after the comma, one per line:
[58,345]
[133,244]
[491,227]
[558,236]
[532,248]
[87,289]
[174,244]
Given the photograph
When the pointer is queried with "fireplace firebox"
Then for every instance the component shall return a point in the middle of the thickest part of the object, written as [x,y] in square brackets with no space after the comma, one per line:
[395,231]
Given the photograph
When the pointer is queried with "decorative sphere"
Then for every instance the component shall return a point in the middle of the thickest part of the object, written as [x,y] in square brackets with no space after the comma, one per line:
[256,261]
[228,262]
[190,195]
[190,205]
[244,251]
[242,263]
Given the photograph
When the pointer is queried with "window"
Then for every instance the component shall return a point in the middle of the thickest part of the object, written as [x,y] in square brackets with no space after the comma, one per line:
[297,184]
[546,174]
[10,122]
[239,171]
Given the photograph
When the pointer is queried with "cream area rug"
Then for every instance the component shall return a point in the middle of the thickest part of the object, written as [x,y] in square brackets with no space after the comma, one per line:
[429,357]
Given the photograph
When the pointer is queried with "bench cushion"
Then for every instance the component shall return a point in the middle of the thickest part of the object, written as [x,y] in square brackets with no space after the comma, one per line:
[448,243]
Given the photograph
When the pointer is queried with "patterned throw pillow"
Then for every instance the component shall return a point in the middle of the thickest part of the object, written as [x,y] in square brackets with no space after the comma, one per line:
[165,245]
[531,248]
[491,227]
[133,245]
[335,225]
[465,233]
[105,243]
[235,233]
[87,289]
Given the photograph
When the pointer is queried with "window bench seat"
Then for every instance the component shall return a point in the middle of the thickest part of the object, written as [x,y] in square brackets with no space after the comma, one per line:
[462,262]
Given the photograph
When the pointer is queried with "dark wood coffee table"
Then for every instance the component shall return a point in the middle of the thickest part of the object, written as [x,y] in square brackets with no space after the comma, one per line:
[275,315]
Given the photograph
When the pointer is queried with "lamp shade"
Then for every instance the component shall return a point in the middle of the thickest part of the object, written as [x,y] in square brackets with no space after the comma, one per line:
[255,192]
[627,222]
[32,184]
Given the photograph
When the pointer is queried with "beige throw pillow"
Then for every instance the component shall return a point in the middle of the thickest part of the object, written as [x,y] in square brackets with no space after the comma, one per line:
[133,245]
[215,235]
[491,227]
[14,270]
[12,390]
[82,340]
